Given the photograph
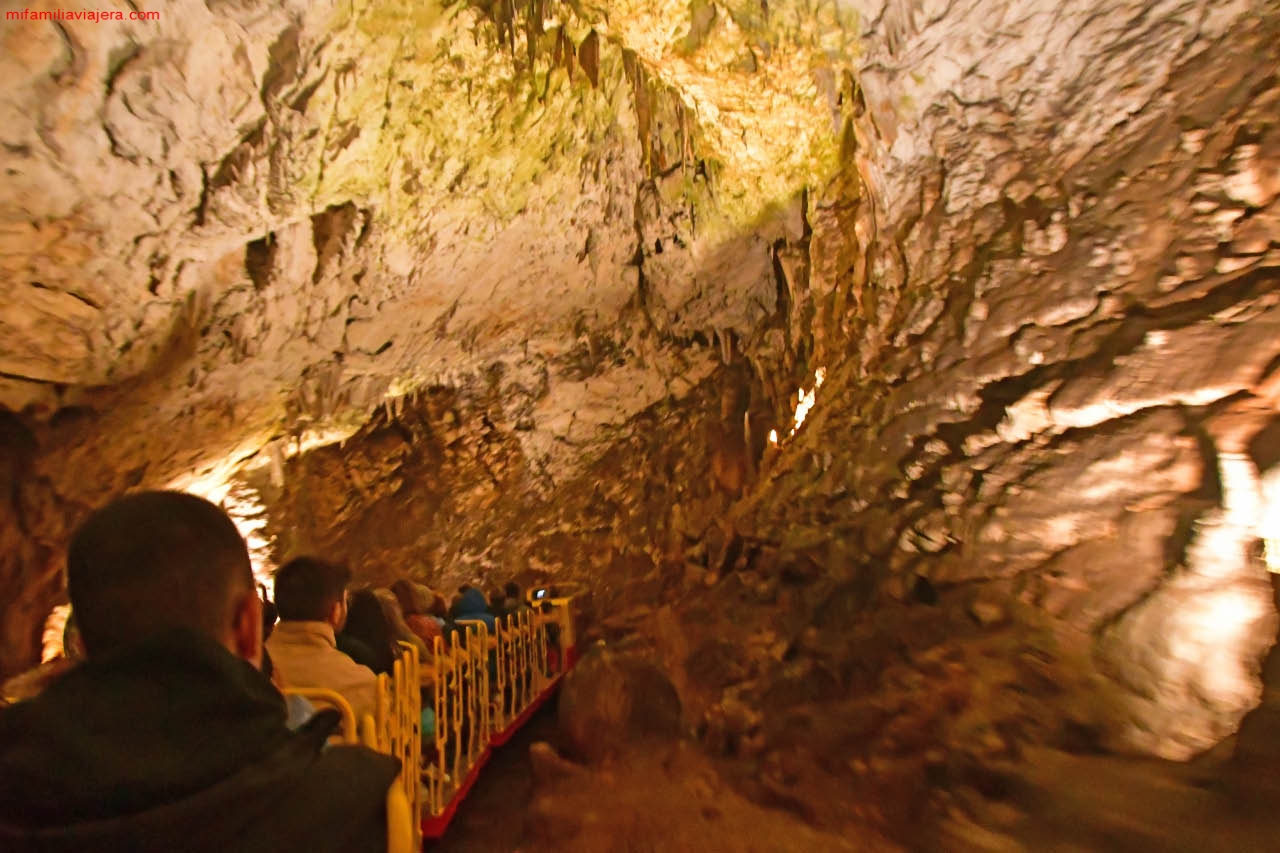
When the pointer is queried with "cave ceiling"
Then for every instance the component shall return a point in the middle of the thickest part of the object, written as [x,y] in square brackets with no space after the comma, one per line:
[567,263]
[256,222]
[253,223]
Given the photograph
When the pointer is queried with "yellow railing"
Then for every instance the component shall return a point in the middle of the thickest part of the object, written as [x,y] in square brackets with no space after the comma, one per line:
[520,666]
[459,676]
[480,684]
[402,825]
[397,728]
[561,615]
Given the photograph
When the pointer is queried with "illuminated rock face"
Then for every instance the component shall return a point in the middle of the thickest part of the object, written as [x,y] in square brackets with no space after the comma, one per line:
[557,277]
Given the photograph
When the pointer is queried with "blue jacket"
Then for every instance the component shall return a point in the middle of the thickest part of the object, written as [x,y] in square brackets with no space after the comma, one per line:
[473,606]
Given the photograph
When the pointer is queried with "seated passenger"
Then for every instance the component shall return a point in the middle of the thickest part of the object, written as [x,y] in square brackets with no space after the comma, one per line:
[415,612]
[470,605]
[497,599]
[168,737]
[367,625]
[268,625]
[426,597]
[359,651]
[311,595]
[399,630]
[515,600]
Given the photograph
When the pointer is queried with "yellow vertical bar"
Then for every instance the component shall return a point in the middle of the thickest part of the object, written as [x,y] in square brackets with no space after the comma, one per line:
[473,731]
[459,696]
[509,682]
[368,729]
[431,665]
[473,696]
[414,779]
[536,662]
[512,669]
[539,655]
[520,673]
[385,732]
[527,661]
[486,696]
[402,832]
[439,665]
[413,721]
[500,720]
[513,666]
[460,710]
[381,699]
[481,728]
[402,721]
[518,697]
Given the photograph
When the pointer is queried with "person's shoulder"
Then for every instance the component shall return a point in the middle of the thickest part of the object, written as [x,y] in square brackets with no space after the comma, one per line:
[340,804]
[349,774]
[339,661]
[354,768]
[274,643]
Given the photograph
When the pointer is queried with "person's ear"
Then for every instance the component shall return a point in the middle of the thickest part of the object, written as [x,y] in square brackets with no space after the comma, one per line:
[337,616]
[246,629]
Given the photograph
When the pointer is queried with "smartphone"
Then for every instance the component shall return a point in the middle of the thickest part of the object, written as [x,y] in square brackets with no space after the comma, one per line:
[539,593]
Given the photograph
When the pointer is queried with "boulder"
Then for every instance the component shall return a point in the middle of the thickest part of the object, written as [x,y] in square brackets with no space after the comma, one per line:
[611,701]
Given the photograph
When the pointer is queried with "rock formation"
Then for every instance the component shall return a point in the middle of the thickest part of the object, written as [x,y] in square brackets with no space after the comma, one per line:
[474,290]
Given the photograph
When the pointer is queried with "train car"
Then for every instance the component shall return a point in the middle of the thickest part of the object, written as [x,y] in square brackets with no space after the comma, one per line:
[481,687]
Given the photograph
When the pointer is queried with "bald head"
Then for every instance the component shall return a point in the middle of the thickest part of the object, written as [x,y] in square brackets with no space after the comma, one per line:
[158,560]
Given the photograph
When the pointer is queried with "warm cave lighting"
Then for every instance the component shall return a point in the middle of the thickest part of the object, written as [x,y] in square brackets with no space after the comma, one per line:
[1211,633]
[54,628]
[1223,616]
[1269,519]
[244,509]
[806,399]
[804,402]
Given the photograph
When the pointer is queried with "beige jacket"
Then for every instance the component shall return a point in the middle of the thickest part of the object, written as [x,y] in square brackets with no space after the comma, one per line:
[307,656]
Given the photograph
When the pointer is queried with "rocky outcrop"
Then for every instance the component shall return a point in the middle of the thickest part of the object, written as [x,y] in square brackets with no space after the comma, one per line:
[611,703]
[233,232]
[1037,359]
[469,291]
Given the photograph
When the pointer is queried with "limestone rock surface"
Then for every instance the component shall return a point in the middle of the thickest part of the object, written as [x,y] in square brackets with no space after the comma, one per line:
[848,353]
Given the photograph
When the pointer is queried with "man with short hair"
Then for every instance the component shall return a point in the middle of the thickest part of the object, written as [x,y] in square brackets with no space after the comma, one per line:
[168,737]
[311,597]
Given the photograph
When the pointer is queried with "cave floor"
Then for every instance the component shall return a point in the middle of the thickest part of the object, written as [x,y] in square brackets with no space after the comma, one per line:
[1050,801]
[1057,801]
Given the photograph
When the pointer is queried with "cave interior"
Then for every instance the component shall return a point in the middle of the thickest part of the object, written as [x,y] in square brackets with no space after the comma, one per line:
[900,377]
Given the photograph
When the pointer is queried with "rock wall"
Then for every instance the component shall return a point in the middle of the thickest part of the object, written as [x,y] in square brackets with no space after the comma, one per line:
[232,233]
[442,490]
[467,290]
[1049,344]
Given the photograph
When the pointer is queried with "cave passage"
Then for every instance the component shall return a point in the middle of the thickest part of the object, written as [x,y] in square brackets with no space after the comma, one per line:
[896,383]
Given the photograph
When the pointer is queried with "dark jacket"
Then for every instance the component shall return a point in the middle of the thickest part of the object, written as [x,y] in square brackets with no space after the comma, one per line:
[175,744]
[361,653]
